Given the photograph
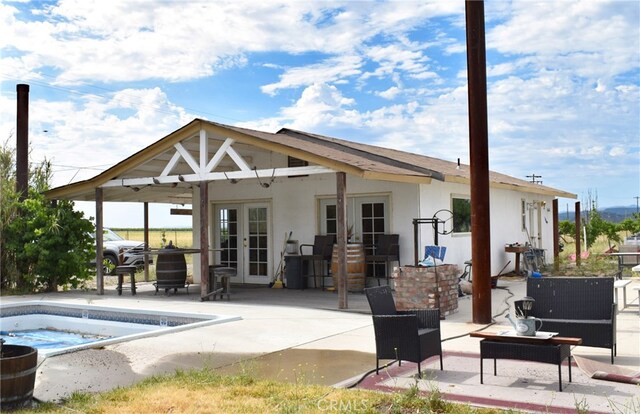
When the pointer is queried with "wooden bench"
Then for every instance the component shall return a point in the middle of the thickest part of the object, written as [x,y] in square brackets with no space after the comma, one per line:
[126,270]
[578,307]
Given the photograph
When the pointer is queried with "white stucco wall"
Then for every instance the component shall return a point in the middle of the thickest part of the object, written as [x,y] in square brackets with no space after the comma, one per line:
[505,227]
[294,207]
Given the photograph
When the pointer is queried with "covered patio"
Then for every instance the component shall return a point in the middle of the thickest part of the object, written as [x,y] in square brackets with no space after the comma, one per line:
[247,187]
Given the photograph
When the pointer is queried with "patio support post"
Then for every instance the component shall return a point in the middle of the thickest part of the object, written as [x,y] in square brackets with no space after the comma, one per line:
[22,141]
[577,235]
[146,241]
[99,237]
[341,190]
[556,236]
[204,239]
[479,160]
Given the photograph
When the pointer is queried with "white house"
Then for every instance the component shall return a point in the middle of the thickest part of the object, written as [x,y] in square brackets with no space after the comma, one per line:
[259,187]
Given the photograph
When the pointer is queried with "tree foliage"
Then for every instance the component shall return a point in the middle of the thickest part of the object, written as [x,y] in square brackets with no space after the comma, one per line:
[597,226]
[631,224]
[44,245]
[567,228]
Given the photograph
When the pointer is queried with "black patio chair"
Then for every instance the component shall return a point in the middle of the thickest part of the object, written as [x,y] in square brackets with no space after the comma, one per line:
[321,251]
[385,250]
[411,335]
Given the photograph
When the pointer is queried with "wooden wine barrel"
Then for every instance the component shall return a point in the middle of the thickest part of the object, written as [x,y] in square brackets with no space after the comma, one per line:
[356,267]
[171,269]
[18,368]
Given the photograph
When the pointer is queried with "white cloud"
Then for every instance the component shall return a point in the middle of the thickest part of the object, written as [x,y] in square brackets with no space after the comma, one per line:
[594,39]
[617,151]
[396,57]
[177,40]
[390,93]
[94,132]
[563,90]
[324,72]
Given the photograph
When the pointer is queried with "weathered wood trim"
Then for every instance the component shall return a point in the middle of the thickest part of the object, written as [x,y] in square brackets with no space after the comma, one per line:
[146,241]
[341,193]
[99,242]
[204,239]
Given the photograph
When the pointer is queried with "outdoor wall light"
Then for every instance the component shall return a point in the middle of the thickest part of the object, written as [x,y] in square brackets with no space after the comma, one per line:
[260,183]
[231,180]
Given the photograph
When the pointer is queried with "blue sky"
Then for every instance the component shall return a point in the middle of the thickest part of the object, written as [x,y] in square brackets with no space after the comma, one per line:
[110,77]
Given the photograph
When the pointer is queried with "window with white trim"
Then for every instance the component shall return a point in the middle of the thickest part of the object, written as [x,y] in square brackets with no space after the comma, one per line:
[461,209]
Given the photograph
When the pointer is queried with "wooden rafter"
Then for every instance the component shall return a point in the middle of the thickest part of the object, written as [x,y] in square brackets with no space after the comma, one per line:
[204,170]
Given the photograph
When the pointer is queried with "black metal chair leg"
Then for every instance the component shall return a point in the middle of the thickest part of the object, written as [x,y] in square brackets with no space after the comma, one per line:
[560,376]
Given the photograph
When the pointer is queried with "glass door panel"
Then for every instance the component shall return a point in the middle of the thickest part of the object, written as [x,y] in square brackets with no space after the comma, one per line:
[227,238]
[257,236]
[373,223]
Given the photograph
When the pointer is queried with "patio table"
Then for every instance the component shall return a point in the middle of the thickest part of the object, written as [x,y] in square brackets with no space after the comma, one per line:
[548,349]
[517,249]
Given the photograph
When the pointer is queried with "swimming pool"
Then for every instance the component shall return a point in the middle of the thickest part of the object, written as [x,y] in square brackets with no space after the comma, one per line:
[54,328]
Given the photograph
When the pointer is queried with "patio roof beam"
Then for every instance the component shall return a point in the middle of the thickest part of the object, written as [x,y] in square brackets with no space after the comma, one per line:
[238,159]
[217,157]
[187,157]
[218,176]
[172,163]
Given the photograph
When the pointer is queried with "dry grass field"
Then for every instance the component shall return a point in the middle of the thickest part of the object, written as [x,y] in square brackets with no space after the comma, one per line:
[180,237]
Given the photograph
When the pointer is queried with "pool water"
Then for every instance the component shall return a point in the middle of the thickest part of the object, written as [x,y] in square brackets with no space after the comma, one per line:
[55,328]
[48,338]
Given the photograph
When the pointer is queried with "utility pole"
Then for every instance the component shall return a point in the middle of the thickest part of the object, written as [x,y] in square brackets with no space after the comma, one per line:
[533,178]
[637,204]
[479,161]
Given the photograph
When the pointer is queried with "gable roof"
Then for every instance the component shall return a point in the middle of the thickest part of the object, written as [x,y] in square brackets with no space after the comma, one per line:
[337,155]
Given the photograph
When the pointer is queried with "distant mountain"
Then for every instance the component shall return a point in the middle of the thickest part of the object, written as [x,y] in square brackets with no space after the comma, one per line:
[612,214]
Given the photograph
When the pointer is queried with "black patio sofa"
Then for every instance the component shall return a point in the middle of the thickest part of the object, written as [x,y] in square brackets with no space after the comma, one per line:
[579,307]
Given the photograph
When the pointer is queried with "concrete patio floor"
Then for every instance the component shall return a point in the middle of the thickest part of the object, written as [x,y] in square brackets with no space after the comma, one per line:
[301,336]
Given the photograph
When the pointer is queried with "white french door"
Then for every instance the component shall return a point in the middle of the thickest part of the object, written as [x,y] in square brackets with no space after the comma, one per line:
[242,233]
[366,217]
